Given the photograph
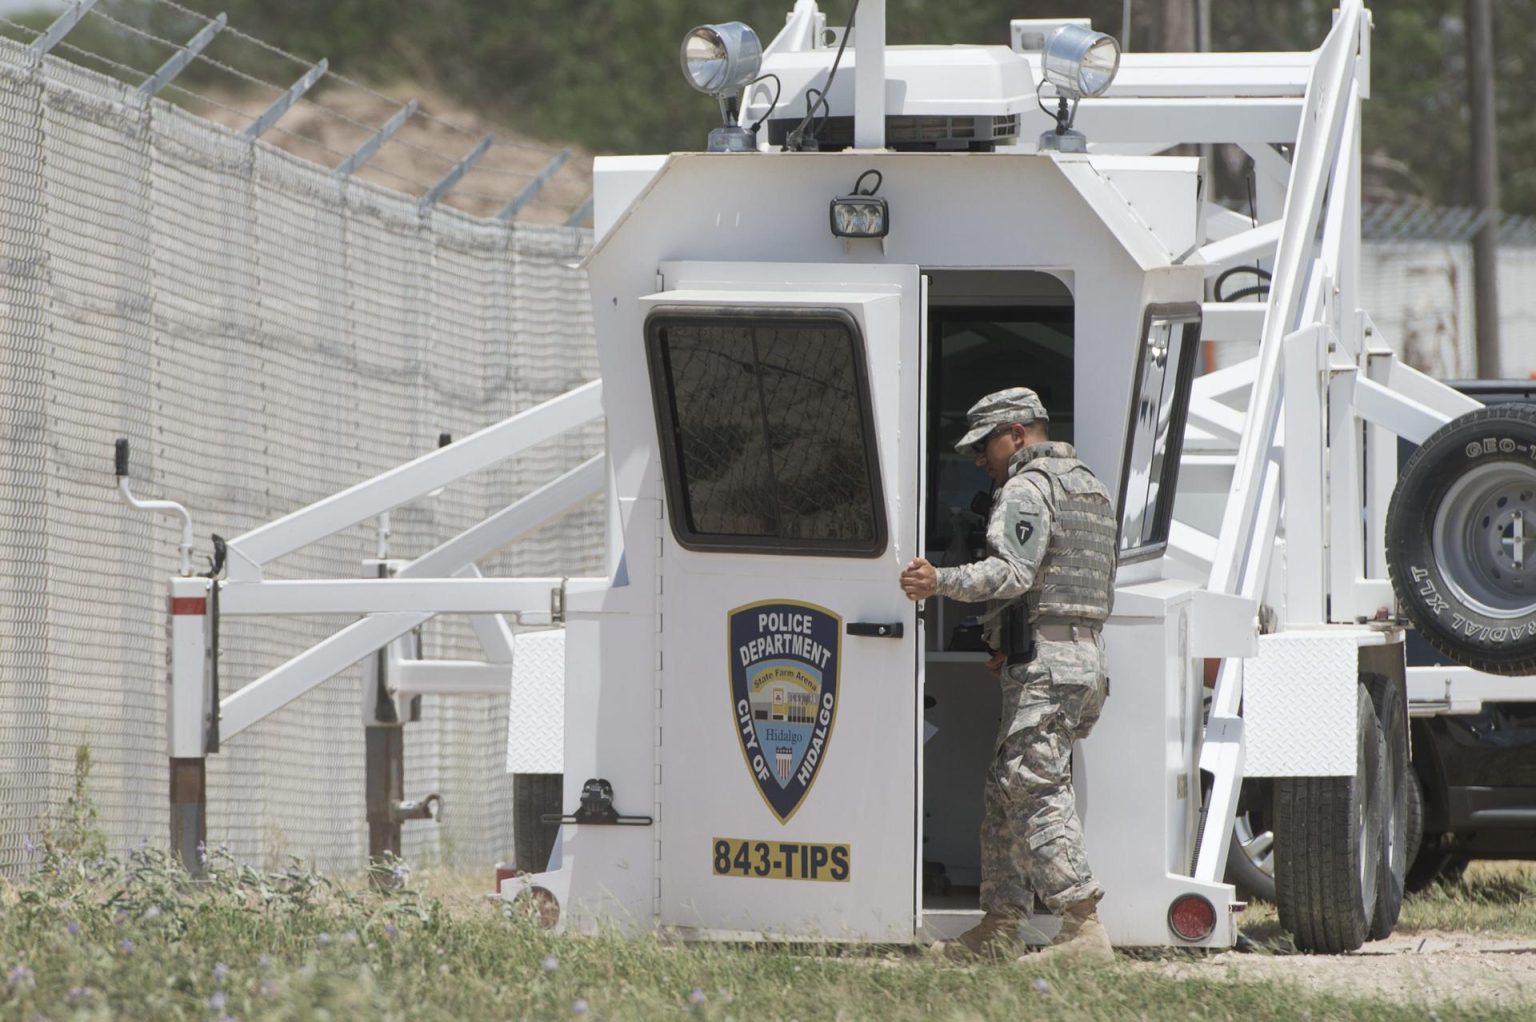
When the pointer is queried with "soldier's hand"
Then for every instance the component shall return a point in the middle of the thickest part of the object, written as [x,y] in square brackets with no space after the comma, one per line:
[920,579]
[995,662]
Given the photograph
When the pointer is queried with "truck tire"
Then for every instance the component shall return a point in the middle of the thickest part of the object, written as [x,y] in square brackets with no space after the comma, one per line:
[1397,777]
[1415,823]
[1328,846]
[533,840]
[1461,539]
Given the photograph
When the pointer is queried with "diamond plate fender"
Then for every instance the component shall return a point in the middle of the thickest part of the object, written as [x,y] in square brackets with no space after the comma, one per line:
[1299,703]
[536,714]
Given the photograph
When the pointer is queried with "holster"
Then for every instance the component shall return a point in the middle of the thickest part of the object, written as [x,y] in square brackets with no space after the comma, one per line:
[1018,638]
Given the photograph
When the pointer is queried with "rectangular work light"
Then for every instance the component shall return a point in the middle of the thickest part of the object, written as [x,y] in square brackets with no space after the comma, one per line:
[860,216]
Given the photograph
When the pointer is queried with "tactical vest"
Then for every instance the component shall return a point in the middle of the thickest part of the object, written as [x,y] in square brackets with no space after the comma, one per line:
[1076,580]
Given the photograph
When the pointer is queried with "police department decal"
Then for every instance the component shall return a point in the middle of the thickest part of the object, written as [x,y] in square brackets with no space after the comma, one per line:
[784,667]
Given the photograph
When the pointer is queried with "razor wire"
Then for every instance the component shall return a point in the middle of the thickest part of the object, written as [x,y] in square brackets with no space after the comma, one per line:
[264,334]
[499,183]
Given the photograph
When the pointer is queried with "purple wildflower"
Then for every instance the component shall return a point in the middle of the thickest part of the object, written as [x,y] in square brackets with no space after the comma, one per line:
[350,937]
[550,963]
[579,1006]
[19,974]
[324,939]
[696,996]
[220,970]
[216,1002]
[1041,986]
[72,928]
[391,932]
[125,946]
[77,994]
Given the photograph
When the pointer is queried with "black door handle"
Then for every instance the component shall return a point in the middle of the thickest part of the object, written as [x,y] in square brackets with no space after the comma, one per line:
[876,629]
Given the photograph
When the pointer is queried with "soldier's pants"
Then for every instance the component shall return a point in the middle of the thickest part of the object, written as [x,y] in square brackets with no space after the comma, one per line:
[1031,838]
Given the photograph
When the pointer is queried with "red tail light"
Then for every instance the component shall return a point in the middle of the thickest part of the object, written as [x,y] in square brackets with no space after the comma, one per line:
[1191,917]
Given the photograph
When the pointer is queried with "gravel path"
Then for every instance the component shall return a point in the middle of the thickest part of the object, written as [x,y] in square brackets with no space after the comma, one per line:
[1427,967]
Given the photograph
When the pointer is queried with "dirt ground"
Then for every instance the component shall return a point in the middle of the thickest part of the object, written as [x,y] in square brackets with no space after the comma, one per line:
[1427,967]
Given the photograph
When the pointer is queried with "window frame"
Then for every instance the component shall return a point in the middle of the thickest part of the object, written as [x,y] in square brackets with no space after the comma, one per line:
[667,429]
[1186,315]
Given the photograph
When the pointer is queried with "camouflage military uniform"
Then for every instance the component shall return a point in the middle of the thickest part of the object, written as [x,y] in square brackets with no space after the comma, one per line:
[1051,542]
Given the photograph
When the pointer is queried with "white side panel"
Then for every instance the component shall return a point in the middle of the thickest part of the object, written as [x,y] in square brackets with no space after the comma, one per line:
[536,715]
[1299,705]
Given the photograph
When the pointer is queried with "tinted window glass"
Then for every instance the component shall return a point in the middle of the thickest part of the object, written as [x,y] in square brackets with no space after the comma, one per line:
[766,433]
[1155,436]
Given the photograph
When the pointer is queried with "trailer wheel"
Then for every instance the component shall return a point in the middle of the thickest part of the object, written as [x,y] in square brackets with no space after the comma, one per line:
[1388,700]
[1251,855]
[1328,847]
[1415,823]
[533,840]
[1461,539]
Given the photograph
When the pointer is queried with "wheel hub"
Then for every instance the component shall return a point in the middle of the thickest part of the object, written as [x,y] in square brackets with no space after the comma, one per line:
[1484,539]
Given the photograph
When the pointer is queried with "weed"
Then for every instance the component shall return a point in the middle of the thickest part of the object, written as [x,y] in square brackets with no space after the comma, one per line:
[137,938]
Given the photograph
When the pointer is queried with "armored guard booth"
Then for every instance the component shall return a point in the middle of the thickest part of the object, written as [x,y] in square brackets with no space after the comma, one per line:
[782,403]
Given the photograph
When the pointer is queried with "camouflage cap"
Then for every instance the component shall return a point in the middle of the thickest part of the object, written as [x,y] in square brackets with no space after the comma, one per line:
[1003,408]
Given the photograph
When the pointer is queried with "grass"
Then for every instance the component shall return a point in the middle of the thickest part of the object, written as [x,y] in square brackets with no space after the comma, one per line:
[1493,897]
[94,937]
[137,939]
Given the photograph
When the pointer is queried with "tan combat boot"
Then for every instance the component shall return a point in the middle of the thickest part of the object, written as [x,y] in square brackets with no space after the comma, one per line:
[996,935]
[1082,937]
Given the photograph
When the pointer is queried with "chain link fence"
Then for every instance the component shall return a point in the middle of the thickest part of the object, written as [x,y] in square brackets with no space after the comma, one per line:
[1416,271]
[264,333]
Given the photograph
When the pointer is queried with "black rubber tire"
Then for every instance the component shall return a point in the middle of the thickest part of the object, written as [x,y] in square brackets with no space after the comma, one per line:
[533,840]
[1246,867]
[1415,822]
[1327,847]
[1390,703]
[1429,590]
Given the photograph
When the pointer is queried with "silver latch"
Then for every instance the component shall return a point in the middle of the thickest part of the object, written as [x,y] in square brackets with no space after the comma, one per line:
[557,604]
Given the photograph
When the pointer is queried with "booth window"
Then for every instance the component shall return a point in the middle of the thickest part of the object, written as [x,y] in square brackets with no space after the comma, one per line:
[1155,438]
[767,437]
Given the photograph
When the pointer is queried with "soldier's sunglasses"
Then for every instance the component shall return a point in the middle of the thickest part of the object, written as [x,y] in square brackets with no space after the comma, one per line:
[980,447]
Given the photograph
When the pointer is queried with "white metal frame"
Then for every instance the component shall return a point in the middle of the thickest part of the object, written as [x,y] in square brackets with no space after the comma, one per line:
[444,580]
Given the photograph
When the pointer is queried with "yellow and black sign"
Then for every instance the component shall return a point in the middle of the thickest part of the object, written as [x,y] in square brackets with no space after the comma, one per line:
[780,860]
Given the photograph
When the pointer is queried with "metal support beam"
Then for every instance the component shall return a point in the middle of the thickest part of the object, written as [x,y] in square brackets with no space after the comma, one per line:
[383,787]
[271,114]
[438,468]
[1257,243]
[1395,412]
[388,596]
[189,813]
[579,216]
[437,192]
[61,27]
[367,149]
[1303,362]
[450,677]
[181,58]
[869,77]
[532,188]
[280,686]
